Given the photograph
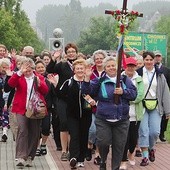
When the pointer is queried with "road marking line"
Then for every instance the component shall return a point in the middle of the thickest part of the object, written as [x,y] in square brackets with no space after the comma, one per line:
[50,161]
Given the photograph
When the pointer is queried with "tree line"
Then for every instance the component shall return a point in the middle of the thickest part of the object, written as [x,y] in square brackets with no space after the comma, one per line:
[89,27]
[15,28]
[71,18]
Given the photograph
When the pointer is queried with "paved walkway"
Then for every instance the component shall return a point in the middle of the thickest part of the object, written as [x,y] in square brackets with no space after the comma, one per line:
[52,160]
[7,155]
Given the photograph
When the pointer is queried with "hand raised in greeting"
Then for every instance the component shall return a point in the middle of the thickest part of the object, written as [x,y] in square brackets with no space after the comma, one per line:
[24,67]
[53,79]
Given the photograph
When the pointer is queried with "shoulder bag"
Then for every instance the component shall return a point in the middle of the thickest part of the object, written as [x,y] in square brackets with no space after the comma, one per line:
[36,107]
[150,104]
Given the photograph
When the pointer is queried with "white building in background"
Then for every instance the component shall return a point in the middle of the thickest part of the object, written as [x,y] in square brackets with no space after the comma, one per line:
[149,23]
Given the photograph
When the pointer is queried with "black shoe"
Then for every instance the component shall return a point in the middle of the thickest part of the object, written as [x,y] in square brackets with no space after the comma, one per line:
[162,138]
[73,163]
[97,160]
[138,153]
[43,149]
[89,155]
[144,162]
[152,155]
[102,166]
[64,156]
[38,152]
[4,138]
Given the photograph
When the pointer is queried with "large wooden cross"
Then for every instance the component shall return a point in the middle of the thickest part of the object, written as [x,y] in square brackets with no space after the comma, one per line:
[123,14]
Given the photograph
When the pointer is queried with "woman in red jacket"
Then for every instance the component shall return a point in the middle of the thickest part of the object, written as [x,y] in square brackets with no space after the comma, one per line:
[28,129]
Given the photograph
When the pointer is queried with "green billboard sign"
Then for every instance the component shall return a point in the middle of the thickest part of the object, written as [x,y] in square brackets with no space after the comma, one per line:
[135,42]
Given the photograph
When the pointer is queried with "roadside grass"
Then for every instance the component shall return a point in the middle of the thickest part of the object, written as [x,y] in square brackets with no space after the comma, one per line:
[167,134]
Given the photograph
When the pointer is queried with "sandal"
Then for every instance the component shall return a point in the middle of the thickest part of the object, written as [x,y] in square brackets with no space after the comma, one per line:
[43,150]
[38,152]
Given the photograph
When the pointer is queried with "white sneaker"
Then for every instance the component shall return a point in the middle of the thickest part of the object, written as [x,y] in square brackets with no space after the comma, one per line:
[29,162]
[123,166]
[80,164]
[132,162]
[20,162]
[131,159]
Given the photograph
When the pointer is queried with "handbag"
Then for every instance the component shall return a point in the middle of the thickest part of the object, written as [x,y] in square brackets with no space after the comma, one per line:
[86,105]
[150,104]
[87,100]
[36,107]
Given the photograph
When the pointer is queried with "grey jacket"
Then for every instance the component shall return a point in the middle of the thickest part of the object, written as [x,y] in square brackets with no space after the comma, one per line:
[163,95]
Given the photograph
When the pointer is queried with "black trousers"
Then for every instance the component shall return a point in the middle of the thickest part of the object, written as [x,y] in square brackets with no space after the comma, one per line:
[164,123]
[56,122]
[61,107]
[45,125]
[56,129]
[79,130]
[132,139]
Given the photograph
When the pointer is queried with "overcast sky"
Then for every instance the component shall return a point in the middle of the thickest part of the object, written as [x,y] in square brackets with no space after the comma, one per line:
[31,6]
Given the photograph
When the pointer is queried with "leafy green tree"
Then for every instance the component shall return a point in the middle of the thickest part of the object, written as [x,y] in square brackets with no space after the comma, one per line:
[75,5]
[163,27]
[25,31]
[71,18]
[73,21]
[9,4]
[8,33]
[149,8]
[101,34]
[49,18]
[15,28]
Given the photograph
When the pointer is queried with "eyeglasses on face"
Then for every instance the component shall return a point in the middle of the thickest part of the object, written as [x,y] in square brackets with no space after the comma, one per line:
[73,51]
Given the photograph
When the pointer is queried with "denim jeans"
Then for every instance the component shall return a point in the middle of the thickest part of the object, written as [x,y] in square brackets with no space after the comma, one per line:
[149,129]
[92,130]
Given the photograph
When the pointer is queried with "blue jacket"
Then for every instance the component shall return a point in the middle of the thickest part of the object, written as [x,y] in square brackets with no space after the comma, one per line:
[104,90]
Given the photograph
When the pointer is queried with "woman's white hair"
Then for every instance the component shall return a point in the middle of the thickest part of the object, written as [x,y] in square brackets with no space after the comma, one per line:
[108,58]
[99,52]
[20,58]
[28,60]
[90,61]
[5,61]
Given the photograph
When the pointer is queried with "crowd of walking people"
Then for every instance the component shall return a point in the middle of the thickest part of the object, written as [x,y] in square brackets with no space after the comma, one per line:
[86,111]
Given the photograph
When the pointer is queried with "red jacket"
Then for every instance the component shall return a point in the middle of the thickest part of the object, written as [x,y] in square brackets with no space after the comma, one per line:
[20,97]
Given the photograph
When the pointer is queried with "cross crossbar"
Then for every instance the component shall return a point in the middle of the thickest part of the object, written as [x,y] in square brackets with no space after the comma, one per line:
[124,18]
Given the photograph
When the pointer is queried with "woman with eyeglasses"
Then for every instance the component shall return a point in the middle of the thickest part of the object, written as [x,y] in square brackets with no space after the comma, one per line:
[64,70]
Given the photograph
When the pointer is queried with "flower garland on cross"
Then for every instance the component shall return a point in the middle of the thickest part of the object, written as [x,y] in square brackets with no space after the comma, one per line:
[124,19]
